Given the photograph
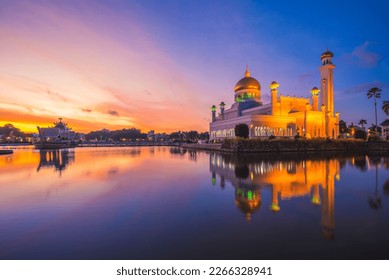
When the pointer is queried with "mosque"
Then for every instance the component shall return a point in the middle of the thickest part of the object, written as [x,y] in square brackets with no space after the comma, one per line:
[284,116]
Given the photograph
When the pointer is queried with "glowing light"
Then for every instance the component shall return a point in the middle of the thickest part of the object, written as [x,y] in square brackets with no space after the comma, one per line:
[316,200]
[250,195]
[274,85]
[274,207]
[315,91]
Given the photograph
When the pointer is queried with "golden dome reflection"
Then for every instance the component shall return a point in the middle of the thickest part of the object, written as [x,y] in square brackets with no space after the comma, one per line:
[248,201]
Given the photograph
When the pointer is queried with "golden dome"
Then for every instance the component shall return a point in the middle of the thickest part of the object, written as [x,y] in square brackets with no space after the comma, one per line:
[247,82]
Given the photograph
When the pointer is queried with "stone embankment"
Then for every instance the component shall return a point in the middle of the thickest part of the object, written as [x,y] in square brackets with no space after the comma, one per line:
[211,147]
[293,145]
[302,145]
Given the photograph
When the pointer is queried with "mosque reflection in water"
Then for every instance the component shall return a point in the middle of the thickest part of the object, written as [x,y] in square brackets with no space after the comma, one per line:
[286,179]
[59,159]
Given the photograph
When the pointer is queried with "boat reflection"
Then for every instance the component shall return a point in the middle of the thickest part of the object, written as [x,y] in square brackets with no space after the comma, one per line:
[286,179]
[59,159]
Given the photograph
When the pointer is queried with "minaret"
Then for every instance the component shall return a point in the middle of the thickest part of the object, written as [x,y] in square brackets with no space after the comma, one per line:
[315,98]
[273,91]
[327,81]
[222,104]
[213,108]
[327,85]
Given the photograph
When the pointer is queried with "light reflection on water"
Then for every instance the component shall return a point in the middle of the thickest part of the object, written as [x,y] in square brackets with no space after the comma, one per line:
[170,203]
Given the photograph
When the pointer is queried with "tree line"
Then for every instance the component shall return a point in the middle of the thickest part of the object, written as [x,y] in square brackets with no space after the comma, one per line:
[133,134]
[116,135]
[10,133]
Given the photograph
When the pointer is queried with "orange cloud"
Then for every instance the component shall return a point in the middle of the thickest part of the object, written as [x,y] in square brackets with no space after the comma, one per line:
[28,122]
[55,63]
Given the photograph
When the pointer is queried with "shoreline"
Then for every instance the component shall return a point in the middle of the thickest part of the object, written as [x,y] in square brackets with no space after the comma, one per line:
[208,147]
[301,146]
[255,146]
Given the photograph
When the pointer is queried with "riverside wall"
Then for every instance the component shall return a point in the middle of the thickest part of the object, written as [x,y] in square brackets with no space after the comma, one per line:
[210,147]
[294,146]
[302,145]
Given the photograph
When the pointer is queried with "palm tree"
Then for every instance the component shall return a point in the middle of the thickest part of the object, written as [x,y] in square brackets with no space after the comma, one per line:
[342,127]
[362,122]
[375,202]
[385,107]
[376,93]
[373,127]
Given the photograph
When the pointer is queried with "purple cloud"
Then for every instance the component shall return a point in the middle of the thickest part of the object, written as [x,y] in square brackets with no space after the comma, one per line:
[363,57]
[113,113]
[362,88]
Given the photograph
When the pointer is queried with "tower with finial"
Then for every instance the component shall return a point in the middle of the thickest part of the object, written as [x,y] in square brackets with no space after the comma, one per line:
[273,92]
[327,85]
[315,98]
[213,108]
[222,106]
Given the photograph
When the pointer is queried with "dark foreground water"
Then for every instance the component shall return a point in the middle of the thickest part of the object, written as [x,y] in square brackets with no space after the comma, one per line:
[167,203]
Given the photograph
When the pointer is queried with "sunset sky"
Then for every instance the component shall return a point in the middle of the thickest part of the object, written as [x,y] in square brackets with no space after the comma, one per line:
[162,64]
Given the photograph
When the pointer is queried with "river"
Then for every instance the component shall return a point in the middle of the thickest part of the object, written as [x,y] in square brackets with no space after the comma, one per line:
[172,203]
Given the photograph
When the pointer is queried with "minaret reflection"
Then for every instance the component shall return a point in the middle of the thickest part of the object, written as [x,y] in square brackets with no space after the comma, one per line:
[328,213]
[287,179]
[57,159]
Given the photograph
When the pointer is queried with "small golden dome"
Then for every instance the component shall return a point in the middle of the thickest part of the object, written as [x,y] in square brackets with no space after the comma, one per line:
[315,91]
[325,54]
[247,82]
[274,85]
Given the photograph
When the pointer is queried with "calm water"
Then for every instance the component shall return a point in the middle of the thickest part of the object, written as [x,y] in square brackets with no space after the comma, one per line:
[167,203]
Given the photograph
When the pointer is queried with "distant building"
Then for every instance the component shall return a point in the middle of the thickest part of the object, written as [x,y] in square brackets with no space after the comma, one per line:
[152,136]
[284,115]
[58,132]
